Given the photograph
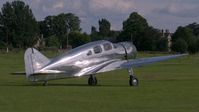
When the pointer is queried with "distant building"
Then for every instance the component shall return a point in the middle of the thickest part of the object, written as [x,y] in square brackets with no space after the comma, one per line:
[166,34]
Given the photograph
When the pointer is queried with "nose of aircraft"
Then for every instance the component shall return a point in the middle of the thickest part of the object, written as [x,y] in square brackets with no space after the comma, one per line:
[131,50]
[128,49]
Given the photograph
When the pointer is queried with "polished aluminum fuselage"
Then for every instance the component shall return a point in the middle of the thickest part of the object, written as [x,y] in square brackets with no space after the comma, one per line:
[83,60]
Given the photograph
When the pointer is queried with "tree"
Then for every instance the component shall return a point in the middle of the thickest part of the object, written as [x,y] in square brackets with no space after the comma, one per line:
[188,36]
[162,44]
[195,28]
[2,43]
[52,41]
[198,44]
[19,26]
[77,39]
[183,33]
[93,30]
[44,27]
[95,34]
[105,31]
[180,45]
[150,39]
[194,41]
[60,26]
[137,30]
[193,45]
[133,29]
[113,35]
[104,27]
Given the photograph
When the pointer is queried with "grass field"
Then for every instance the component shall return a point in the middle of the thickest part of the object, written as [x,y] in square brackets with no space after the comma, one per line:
[171,86]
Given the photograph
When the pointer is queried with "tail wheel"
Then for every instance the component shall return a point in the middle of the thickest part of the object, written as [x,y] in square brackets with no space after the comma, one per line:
[133,81]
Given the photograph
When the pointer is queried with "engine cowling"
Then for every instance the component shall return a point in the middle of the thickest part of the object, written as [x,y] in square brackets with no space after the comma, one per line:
[127,50]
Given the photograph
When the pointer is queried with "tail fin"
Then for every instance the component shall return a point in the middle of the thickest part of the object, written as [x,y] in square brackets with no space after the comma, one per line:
[34,61]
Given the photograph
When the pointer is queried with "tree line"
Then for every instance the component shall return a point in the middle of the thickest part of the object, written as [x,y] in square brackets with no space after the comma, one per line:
[20,29]
[186,39]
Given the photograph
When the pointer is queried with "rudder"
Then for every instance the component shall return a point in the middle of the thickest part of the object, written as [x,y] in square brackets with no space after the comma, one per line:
[34,61]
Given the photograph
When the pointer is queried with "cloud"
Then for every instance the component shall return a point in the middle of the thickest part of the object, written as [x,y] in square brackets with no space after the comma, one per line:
[179,10]
[89,11]
[58,5]
[38,1]
[115,11]
[119,6]
[159,13]
[52,7]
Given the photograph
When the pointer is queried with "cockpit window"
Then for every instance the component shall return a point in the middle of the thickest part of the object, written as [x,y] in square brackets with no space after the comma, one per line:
[89,53]
[107,46]
[97,49]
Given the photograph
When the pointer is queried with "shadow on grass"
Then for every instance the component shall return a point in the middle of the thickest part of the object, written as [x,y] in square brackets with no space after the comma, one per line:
[51,84]
[57,85]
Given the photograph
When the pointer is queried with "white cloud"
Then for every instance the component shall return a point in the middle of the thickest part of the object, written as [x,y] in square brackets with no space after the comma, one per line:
[77,4]
[180,10]
[78,7]
[159,13]
[58,5]
[173,8]
[119,6]
[38,1]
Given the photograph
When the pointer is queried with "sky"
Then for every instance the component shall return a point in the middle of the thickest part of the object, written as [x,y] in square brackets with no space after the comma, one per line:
[161,14]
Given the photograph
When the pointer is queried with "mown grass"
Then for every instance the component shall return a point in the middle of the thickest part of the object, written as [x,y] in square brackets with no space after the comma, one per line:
[171,86]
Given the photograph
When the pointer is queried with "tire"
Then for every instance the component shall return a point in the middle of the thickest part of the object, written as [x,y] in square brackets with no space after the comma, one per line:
[92,81]
[133,81]
[95,81]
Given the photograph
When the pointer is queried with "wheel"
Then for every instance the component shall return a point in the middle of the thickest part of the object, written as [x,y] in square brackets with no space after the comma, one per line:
[92,80]
[95,81]
[133,81]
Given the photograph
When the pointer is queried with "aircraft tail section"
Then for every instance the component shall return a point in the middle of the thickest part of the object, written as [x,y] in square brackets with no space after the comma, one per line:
[34,61]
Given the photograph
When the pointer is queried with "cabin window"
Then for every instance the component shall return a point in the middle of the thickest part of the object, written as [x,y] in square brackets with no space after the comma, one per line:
[97,49]
[107,46]
[89,53]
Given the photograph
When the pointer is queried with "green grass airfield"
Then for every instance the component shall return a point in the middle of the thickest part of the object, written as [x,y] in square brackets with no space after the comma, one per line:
[170,86]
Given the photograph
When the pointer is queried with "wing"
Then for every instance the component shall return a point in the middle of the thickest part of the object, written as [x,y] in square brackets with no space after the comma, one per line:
[137,62]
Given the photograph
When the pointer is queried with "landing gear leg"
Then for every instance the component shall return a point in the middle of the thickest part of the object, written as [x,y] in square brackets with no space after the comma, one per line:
[133,81]
[92,80]
[45,83]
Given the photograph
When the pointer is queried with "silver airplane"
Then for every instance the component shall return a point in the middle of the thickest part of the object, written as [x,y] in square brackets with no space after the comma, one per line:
[89,59]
